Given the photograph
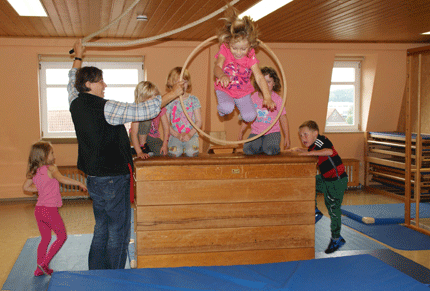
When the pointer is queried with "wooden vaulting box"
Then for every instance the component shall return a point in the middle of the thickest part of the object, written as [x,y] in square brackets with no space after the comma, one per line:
[225,209]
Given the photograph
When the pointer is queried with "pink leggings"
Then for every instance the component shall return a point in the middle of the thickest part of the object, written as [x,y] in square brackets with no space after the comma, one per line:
[49,219]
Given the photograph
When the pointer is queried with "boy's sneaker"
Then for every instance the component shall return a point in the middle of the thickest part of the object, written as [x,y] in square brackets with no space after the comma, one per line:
[334,245]
[318,215]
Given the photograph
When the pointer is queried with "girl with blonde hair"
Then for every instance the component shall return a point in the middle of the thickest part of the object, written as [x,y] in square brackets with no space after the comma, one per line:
[235,62]
[145,136]
[44,178]
[184,138]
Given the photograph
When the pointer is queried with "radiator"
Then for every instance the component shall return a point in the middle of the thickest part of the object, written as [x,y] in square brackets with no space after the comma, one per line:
[352,167]
[70,191]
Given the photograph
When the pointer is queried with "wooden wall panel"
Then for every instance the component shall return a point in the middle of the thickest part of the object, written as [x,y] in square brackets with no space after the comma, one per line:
[224,239]
[216,191]
[227,258]
[210,172]
[223,215]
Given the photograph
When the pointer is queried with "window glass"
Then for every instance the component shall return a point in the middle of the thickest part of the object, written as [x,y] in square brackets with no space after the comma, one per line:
[343,75]
[123,94]
[57,76]
[344,99]
[56,120]
[121,76]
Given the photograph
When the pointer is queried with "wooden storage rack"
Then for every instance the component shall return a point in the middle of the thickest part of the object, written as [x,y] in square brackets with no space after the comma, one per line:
[386,161]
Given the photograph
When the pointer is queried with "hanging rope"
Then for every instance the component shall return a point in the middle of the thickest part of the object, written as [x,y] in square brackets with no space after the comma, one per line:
[148,39]
[220,141]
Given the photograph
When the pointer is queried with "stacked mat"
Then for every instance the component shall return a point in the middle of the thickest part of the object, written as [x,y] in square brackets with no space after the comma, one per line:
[382,222]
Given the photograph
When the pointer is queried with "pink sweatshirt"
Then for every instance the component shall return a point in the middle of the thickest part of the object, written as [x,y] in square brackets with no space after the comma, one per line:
[239,71]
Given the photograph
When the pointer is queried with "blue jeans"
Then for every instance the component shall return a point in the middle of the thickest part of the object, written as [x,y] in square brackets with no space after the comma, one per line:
[268,144]
[112,213]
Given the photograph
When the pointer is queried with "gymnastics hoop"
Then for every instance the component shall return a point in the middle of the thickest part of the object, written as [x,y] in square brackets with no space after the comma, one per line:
[224,142]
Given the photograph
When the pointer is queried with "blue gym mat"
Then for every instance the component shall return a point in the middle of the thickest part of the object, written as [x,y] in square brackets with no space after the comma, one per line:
[354,240]
[352,273]
[394,235]
[73,256]
[384,213]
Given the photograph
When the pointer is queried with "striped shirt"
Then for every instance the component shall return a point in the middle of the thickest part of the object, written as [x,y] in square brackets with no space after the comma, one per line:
[116,112]
[331,167]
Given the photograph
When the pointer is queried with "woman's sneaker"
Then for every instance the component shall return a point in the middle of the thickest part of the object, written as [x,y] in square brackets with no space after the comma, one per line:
[334,245]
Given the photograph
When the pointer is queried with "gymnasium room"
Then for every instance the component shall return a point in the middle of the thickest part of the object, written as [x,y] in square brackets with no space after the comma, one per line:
[224,219]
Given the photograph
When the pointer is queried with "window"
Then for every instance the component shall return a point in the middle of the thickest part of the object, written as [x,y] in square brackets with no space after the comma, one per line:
[56,122]
[343,110]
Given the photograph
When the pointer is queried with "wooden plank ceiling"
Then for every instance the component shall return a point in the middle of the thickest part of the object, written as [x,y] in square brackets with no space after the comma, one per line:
[380,21]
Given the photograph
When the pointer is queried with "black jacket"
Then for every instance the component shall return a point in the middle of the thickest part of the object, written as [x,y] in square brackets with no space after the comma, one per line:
[103,149]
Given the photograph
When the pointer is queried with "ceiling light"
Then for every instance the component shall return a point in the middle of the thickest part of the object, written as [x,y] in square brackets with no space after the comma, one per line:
[28,7]
[264,8]
[426,33]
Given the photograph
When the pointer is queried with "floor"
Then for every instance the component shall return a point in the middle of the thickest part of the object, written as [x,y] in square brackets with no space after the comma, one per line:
[17,224]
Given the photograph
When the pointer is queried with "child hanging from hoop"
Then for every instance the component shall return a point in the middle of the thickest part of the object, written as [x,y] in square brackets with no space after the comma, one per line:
[235,63]
[43,177]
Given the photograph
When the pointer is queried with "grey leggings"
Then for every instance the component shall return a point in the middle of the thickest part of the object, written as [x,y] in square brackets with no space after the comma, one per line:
[268,144]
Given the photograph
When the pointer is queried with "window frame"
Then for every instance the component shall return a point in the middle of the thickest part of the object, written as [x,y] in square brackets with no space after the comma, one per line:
[43,86]
[356,64]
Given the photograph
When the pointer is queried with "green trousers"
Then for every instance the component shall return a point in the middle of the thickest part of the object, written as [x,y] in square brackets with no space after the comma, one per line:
[333,196]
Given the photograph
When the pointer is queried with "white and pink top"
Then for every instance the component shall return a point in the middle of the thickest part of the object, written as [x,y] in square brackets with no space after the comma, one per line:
[264,116]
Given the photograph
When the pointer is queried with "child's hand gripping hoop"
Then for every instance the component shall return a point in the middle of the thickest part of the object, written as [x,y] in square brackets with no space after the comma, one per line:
[224,142]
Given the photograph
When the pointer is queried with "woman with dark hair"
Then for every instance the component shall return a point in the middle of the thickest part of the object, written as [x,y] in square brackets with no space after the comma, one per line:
[104,154]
